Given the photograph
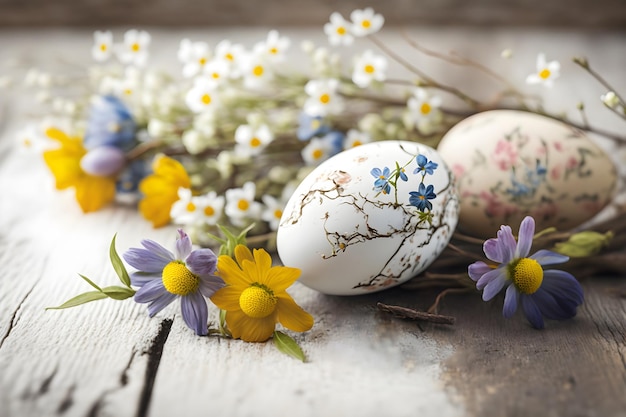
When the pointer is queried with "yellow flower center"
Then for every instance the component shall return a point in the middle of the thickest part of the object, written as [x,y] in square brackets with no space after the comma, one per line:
[215,75]
[341,30]
[257,301]
[369,69]
[273,51]
[206,99]
[179,280]
[191,207]
[366,23]
[356,143]
[243,204]
[317,154]
[202,61]
[229,57]
[209,211]
[128,92]
[255,142]
[527,275]
[544,74]
[324,98]
[278,213]
[103,47]
[135,47]
[425,109]
[258,70]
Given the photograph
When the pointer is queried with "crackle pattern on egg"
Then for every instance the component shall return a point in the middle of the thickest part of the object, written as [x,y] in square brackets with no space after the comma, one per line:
[349,237]
[510,164]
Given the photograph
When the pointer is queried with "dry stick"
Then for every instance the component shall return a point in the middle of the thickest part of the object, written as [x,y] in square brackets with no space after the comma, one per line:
[433,308]
[409,313]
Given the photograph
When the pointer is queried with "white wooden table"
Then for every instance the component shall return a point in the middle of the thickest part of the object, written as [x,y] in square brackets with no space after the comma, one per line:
[109,358]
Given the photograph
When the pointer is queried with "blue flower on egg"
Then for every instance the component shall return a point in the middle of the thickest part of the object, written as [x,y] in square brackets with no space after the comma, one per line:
[421,197]
[424,166]
[381,184]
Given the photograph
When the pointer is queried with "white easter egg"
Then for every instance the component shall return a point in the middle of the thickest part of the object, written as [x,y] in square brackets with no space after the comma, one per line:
[510,164]
[353,231]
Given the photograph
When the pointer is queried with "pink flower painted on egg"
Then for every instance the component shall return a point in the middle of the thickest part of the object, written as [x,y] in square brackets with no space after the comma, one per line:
[505,155]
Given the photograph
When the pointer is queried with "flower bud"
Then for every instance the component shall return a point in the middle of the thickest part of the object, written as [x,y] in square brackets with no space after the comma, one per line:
[103,161]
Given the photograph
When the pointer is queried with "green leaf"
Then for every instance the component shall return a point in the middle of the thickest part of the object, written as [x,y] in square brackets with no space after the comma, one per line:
[583,244]
[223,329]
[90,282]
[288,346]
[80,299]
[118,293]
[119,267]
[227,245]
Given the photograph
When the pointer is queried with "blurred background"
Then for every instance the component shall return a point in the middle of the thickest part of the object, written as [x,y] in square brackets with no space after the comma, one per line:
[583,14]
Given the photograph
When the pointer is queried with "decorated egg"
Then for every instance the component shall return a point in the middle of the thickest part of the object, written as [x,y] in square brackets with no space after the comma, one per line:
[510,164]
[369,218]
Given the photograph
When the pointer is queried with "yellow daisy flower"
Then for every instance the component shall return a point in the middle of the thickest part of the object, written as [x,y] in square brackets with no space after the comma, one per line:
[255,298]
[160,189]
[92,192]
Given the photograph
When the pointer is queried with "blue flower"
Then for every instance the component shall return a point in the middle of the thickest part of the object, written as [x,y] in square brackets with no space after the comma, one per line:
[402,174]
[424,166]
[381,184]
[542,293]
[128,181]
[110,124]
[334,139]
[420,197]
[163,277]
[310,126]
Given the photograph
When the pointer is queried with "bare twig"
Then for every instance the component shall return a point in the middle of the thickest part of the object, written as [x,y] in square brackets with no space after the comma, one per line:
[411,314]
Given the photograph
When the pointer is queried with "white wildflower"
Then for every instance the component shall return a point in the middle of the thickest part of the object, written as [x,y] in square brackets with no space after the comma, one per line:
[252,141]
[274,47]
[369,67]
[423,110]
[610,99]
[203,96]
[134,49]
[338,30]
[366,21]
[231,54]
[356,138]
[102,45]
[255,71]
[316,151]
[184,210]
[546,73]
[273,211]
[323,98]
[240,204]
[194,56]
[217,70]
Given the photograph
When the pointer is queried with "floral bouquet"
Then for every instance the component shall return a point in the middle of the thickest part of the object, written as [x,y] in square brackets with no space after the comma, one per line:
[219,149]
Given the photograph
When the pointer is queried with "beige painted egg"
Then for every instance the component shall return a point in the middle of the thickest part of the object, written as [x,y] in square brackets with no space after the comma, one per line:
[509,164]
[369,218]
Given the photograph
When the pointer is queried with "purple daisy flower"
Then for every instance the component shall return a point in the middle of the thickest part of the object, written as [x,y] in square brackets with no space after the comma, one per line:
[163,277]
[542,293]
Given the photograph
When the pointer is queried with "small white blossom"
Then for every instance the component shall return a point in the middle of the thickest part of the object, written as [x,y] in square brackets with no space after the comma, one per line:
[610,99]
[197,210]
[316,151]
[194,141]
[274,47]
[255,71]
[323,98]
[134,49]
[194,56]
[369,67]
[366,21]
[356,138]
[338,30]
[102,45]
[211,206]
[203,96]
[252,141]
[217,70]
[546,73]
[240,204]
[184,211]
[273,211]
[231,54]
[424,110]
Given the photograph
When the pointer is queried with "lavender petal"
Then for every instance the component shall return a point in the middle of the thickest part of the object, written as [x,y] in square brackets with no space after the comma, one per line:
[150,291]
[145,260]
[202,262]
[493,250]
[210,284]
[157,249]
[490,276]
[160,303]
[494,286]
[507,243]
[195,312]
[510,301]
[139,279]
[183,245]
[525,237]
[477,270]
[546,257]
[531,311]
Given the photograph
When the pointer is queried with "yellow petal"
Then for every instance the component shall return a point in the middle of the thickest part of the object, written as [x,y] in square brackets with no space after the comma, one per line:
[263,262]
[279,278]
[291,315]
[249,329]
[242,252]
[231,273]
[227,298]
[171,169]
[156,209]
[65,167]
[93,193]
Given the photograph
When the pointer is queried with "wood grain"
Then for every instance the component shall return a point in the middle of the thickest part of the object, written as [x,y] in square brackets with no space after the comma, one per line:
[603,14]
